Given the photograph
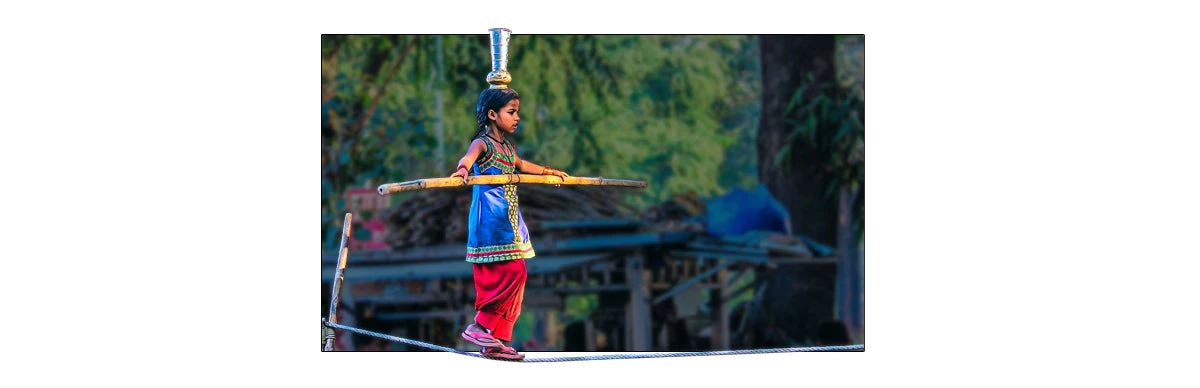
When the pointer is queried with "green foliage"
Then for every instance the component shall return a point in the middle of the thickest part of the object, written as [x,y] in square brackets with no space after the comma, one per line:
[524,329]
[649,108]
[677,111]
[579,307]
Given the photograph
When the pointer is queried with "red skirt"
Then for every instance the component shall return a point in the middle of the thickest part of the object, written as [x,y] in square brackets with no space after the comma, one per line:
[499,292]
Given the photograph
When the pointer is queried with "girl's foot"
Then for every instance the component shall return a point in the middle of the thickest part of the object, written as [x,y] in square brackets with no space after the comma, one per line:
[502,352]
[477,335]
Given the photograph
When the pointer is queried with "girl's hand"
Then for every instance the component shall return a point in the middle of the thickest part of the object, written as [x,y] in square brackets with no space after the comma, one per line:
[462,172]
[559,174]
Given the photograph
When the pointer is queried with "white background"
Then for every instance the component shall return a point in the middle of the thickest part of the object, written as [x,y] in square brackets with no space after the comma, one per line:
[1031,206]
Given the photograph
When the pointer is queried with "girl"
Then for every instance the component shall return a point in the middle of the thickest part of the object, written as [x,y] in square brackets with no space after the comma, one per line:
[497,240]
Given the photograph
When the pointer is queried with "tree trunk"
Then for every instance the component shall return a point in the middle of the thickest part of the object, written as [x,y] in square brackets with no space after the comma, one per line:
[800,297]
[800,181]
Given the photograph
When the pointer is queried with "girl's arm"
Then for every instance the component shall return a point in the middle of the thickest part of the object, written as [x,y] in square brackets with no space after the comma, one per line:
[464,164]
[528,167]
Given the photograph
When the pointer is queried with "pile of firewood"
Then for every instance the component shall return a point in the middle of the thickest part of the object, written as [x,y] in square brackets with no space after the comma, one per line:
[678,207]
[433,217]
[427,217]
[681,212]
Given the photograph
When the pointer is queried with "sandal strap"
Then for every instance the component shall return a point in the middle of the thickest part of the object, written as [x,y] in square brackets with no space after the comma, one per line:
[483,337]
[503,349]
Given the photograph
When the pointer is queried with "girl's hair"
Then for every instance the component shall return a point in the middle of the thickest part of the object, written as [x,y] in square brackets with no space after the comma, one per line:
[491,99]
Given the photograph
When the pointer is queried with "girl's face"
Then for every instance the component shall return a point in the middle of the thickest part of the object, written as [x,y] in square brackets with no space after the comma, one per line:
[506,118]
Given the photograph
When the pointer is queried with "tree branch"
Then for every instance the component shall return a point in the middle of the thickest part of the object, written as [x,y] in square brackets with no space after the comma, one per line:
[329,72]
[361,121]
[329,69]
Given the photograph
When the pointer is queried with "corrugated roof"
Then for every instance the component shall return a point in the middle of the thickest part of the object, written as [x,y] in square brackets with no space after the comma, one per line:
[450,268]
[540,243]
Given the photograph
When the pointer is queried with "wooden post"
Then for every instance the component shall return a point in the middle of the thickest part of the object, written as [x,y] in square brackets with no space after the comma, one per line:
[589,335]
[721,323]
[552,329]
[343,253]
[639,304]
[629,327]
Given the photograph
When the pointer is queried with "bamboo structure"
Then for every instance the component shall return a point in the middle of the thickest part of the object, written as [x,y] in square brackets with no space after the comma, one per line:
[504,179]
[343,253]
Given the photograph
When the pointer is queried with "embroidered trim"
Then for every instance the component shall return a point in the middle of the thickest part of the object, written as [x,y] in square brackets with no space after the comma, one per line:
[506,163]
[504,252]
[497,248]
[510,194]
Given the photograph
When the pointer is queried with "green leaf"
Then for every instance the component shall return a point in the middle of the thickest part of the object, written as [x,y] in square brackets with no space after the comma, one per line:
[796,97]
[810,126]
[843,131]
[782,154]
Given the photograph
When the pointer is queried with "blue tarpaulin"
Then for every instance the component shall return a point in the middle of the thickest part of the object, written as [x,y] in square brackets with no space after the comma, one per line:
[742,211]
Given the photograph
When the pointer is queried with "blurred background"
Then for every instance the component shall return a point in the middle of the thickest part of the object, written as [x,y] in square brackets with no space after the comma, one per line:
[749,235]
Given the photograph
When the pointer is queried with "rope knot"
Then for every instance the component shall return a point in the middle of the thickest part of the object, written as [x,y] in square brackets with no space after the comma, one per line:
[327,332]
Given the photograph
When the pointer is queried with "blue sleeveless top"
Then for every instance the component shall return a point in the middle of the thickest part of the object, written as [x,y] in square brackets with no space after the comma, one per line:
[495,229]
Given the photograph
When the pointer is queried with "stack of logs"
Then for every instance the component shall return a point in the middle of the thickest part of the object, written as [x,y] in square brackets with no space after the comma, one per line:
[681,212]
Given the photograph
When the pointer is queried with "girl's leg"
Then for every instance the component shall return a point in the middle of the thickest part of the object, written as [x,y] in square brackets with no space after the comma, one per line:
[499,293]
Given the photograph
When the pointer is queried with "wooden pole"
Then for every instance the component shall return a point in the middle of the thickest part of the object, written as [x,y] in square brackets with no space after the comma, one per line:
[337,278]
[433,183]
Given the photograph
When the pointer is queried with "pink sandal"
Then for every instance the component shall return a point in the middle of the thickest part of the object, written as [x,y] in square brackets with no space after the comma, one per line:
[481,338]
[502,352]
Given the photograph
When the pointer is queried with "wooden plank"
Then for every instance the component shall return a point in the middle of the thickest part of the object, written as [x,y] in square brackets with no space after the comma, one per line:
[804,260]
[690,282]
[603,242]
[721,255]
[798,250]
[414,315]
[591,224]
[457,268]
[579,289]
[429,253]
[457,251]
[702,246]
[667,286]
[400,299]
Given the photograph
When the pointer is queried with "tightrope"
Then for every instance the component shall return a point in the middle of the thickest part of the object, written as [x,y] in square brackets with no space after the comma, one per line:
[601,357]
